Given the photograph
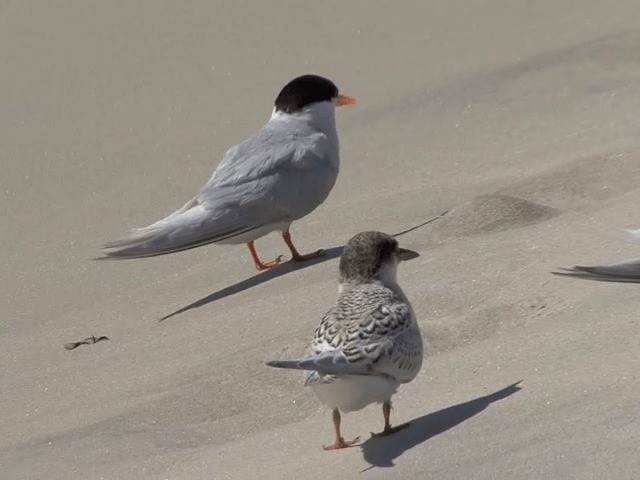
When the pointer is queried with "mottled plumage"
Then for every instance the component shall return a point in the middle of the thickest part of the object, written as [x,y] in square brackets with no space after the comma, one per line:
[369,342]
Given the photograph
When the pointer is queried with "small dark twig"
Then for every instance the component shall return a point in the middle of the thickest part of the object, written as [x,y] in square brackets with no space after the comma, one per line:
[87,341]
[421,225]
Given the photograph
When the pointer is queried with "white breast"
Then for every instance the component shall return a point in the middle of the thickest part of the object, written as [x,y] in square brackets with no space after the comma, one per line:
[354,392]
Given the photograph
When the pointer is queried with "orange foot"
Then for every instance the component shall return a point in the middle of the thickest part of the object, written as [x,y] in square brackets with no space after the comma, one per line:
[260,266]
[341,443]
[388,430]
[258,263]
[295,256]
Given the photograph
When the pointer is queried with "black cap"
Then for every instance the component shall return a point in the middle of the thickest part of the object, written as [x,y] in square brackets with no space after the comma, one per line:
[303,91]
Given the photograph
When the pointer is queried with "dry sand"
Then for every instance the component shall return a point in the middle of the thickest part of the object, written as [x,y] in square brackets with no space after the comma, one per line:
[521,118]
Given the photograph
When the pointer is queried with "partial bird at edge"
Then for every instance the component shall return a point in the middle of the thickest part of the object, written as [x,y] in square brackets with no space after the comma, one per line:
[626,271]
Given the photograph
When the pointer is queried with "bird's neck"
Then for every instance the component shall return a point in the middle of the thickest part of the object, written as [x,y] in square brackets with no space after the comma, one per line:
[387,276]
[319,116]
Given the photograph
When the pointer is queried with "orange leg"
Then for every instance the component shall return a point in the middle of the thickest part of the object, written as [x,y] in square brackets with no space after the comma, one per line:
[388,429]
[256,260]
[295,256]
[340,442]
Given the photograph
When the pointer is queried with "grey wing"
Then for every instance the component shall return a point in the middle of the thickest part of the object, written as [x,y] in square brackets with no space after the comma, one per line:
[258,183]
[271,177]
[329,363]
[627,271]
[622,272]
[191,226]
[324,362]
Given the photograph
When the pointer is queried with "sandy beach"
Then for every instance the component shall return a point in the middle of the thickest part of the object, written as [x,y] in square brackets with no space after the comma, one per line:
[519,119]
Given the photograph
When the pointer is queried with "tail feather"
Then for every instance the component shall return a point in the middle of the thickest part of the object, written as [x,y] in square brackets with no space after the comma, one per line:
[627,271]
[623,272]
[189,227]
[135,238]
[331,363]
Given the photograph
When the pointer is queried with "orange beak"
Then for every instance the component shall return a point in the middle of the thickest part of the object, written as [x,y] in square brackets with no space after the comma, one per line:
[345,100]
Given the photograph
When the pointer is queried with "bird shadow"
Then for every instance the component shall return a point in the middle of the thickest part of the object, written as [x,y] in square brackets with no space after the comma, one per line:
[246,284]
[382,451]
[278,271]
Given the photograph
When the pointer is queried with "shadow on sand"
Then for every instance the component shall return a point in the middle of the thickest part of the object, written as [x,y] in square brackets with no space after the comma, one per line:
[276,272]
[382,451]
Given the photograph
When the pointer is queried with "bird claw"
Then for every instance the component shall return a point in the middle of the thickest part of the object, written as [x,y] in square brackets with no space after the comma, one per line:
[273,263]
[341,443]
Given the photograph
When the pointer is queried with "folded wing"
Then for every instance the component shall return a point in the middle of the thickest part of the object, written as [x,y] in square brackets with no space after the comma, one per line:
[627,271]
[258,183]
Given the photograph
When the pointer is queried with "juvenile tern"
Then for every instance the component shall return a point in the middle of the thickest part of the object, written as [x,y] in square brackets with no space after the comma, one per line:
[264,184]
[369,342]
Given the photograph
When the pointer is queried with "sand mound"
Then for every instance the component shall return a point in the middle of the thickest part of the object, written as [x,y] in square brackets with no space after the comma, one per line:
[583,182]
[494,213]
